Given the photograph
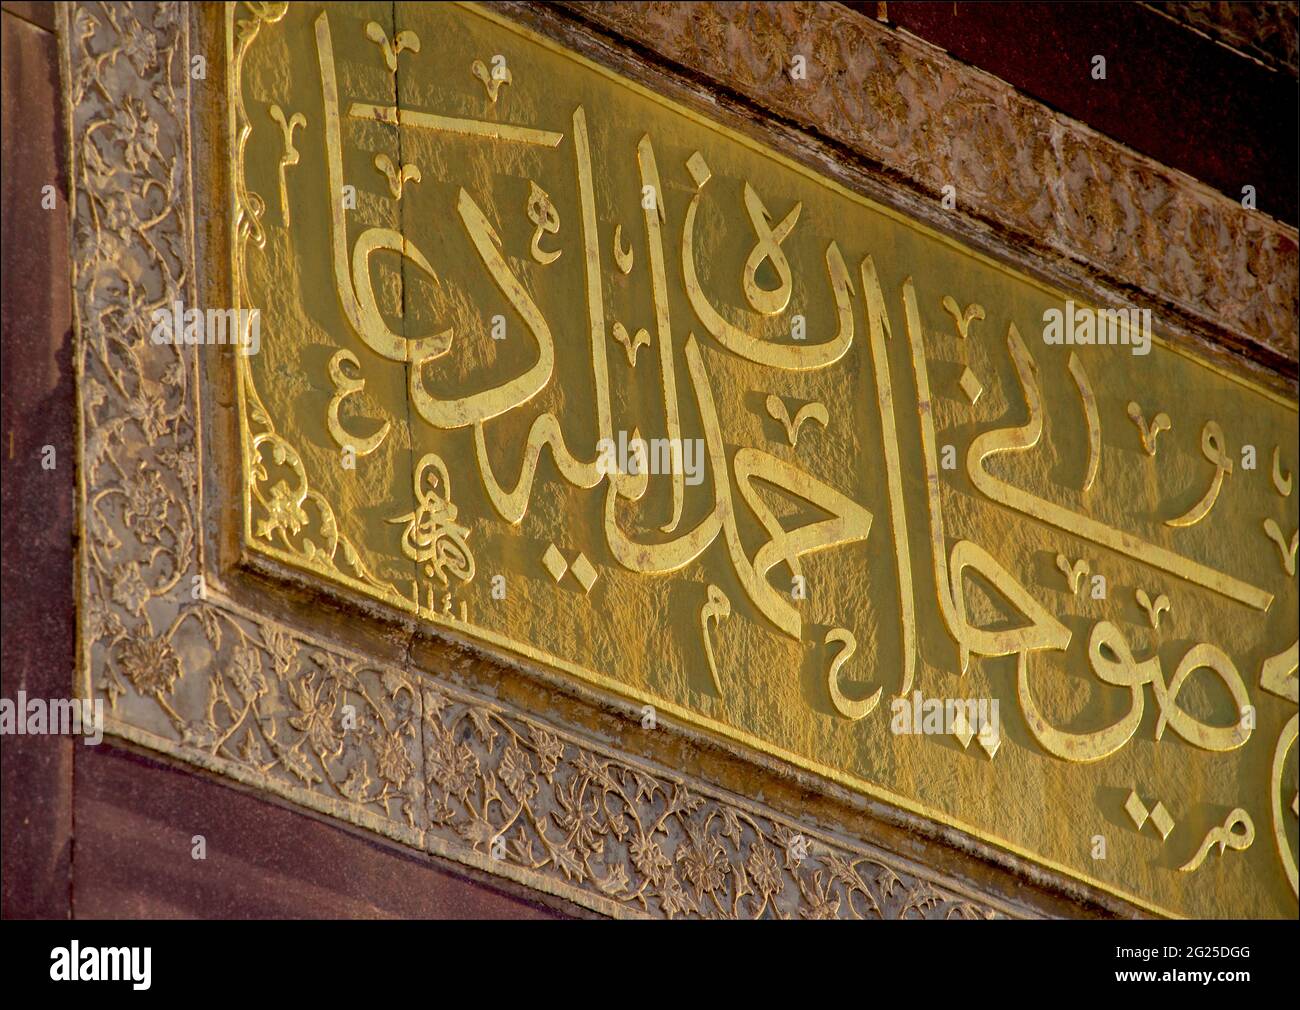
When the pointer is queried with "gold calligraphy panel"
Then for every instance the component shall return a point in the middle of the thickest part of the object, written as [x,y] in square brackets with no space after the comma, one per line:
[557,365]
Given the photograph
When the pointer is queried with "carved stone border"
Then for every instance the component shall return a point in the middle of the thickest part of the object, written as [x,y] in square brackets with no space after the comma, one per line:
[188,671]
[1263,31]
[1045,181]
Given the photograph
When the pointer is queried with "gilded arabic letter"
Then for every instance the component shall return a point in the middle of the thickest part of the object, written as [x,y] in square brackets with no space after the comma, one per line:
[371,327]
[592,273]
[1043,630]
[1089,401]
[852,709]
[795,357]
[680,551]
[925,415]
[1224,837]
[849,522]
[716,608]
[962,317]
[1285,741]
[1281,481]
[460,412]
[1277,673]
[1286,552]
[1121,671]
[659,292]
[878,330]
[547,219]
[769,302]
[1212,447]
[290,156]
[545,432]
[345,386]
[1191,729]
